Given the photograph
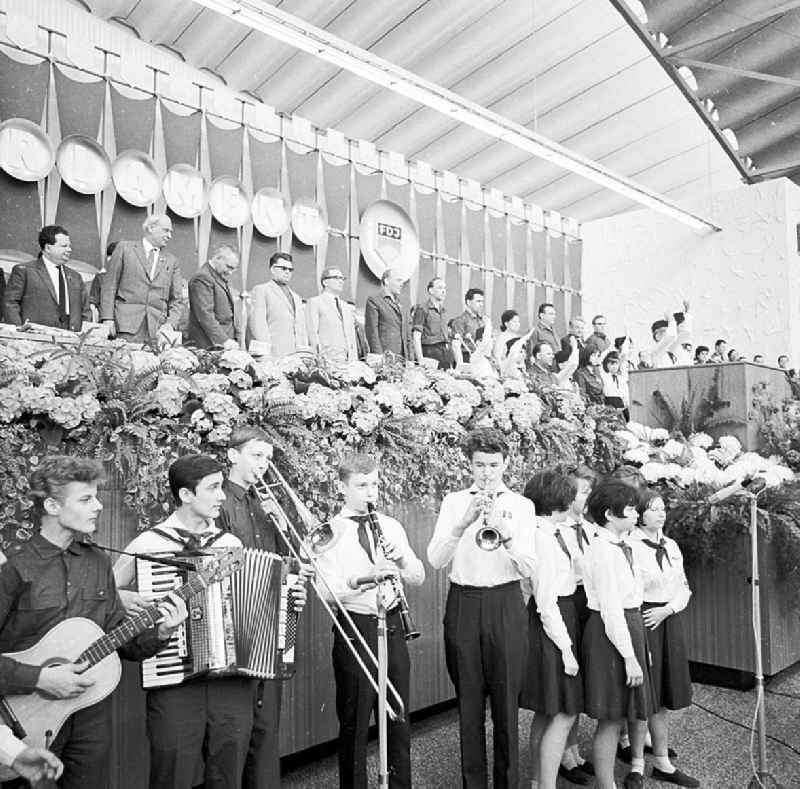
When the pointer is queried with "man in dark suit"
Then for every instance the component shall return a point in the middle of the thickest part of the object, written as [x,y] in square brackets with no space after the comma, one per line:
[142,289]
[211,313]
[385,321]
[46,290]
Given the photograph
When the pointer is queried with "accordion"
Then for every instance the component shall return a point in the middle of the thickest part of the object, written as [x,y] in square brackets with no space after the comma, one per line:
[243,625]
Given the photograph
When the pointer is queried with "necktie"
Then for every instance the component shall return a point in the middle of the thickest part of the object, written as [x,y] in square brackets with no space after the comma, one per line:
[580,536]
[560,540]
[339,309]
[615,379]
[660,548]
[153,262]
[62,296]
[628,551]
[364,522]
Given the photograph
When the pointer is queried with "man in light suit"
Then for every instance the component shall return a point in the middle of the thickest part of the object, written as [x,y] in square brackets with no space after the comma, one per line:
[278,321]
[142,289]
[385,320]
[211,313]
[331,320]
[46,290]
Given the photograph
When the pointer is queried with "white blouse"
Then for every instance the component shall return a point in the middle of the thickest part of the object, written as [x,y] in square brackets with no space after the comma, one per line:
[570,534]
[472,566]
[554,578]
[612,585]
[664,584]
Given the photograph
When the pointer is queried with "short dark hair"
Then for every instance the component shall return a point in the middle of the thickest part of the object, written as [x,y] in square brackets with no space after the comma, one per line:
[586,353]
[700,349]
[433,282]
[110,248]
[550,491]
[758,356]
[356,464]
[506,316]
[613,496]
[276,256]
[610,357]
[187,471]
[55,472]
[584,472]
[537,348]
[543,307]
[731,352]
[597,318]
[472,293]
[720,342]
[47,235]
[485,439]
[782,356]
[246,433]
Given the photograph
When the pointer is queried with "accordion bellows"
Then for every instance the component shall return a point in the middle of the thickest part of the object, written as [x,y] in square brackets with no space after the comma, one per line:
[243,625]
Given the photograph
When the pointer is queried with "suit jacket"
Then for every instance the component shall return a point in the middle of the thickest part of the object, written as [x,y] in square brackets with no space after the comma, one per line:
[30,296]
[273,323]
[130,297]
[387,327]
[330,334]
[211,312]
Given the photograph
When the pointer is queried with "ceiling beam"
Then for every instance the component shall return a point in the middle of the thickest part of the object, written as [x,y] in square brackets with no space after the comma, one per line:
[738,72]
[278,24]
[748,22]
[672,72]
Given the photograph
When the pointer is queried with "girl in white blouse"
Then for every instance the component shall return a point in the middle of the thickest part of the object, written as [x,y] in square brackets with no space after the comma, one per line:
[553,687]
[666,595]
[614,657]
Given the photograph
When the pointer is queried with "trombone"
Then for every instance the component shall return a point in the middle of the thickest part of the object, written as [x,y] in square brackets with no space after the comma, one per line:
[318,537]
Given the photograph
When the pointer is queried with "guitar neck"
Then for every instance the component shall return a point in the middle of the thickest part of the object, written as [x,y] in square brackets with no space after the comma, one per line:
[132,626]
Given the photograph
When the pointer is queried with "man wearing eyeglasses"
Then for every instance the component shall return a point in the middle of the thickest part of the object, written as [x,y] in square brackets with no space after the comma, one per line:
[278,321]
[331,320]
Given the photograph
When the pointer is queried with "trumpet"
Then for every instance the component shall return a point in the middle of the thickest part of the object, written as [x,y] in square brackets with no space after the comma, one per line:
[487,538]
[409,631]
[315,538]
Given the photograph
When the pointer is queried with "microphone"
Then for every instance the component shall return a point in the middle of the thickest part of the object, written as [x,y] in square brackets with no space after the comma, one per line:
[751,485]
[754,485]
[366,581]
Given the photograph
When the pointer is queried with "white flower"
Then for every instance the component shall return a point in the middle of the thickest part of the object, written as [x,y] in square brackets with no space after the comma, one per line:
[701,440]
[640,431]
[673,448]
[628,437]
[235,359]
[652,472]
[638,455]
[658,435]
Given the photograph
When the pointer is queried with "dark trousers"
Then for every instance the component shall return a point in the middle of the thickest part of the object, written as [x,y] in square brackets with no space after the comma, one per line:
[441,352]
[356,700]
[485,642]
[84,745]
[262,769]
[205,720]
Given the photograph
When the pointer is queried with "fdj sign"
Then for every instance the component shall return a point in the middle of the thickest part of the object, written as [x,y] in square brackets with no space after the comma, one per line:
[389,231]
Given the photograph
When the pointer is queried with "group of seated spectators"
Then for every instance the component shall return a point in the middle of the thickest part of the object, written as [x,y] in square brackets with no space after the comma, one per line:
[141,297]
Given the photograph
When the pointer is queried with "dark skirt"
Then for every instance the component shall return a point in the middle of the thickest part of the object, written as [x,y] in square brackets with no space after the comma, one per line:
[606,695]
[672,683]
[582,609]
[547,689]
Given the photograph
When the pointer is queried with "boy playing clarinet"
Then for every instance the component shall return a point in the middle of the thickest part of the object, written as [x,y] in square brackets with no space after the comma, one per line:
[367,545]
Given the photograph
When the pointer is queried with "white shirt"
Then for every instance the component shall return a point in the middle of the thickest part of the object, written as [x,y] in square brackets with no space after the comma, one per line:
[151,542]
[472,566]
[10,746]
[346,559]
[665,584]
[152,260]
[553,579]
[672,342]
[618,387]
[54,272]
[611,587]
[578,554]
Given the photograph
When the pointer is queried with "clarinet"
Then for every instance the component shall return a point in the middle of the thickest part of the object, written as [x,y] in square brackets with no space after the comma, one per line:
[409,631]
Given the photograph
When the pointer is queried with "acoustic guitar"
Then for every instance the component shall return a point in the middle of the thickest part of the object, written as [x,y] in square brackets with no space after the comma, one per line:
[78,640]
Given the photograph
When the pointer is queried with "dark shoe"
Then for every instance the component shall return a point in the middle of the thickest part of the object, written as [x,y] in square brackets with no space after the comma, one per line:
[678,778]
[574,775]
[624,753]
[586,767]
[634,781]
[671,752]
